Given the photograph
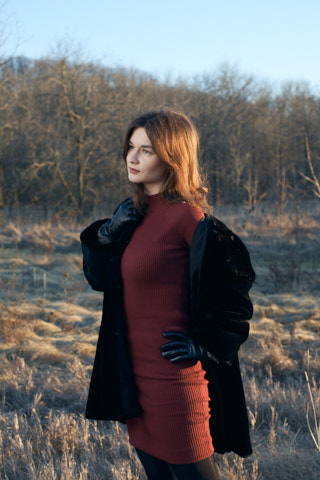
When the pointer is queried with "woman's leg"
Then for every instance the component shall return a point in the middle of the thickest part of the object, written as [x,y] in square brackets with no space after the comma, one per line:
[204,470]
[155,469]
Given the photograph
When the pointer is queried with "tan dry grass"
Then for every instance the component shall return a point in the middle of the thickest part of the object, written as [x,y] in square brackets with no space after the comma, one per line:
[44,236]
[48,340]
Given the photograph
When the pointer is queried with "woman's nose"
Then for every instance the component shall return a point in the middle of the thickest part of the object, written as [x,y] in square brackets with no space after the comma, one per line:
[133,156]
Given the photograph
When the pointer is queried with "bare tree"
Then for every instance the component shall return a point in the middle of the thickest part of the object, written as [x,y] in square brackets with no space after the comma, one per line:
[313,178]
[62,122]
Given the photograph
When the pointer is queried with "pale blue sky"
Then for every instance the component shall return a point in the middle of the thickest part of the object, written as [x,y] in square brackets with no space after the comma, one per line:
[277,40]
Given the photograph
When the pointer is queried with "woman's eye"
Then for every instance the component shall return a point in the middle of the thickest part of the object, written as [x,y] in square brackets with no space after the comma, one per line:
[146,152]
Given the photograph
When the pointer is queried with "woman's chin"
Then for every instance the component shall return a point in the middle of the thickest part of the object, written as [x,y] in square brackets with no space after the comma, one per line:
[133,179]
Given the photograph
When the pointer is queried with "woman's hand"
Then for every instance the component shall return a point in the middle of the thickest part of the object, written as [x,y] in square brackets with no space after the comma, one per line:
[183,348]
[125,213]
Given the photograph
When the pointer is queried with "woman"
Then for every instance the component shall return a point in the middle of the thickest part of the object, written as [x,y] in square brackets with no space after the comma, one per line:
[175,283]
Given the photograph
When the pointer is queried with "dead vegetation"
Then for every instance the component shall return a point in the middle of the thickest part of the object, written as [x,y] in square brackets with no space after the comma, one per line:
[49,320]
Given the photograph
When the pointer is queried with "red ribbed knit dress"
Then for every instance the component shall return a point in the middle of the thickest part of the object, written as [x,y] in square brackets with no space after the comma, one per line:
[174,425]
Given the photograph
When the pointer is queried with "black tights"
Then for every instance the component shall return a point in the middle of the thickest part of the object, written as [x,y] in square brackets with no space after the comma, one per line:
[159,470]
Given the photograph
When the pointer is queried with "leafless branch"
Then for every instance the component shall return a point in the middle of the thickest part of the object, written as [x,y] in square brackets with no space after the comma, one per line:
[313,179]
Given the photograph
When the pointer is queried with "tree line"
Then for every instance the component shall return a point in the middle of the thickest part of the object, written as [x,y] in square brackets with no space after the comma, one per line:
[62,123]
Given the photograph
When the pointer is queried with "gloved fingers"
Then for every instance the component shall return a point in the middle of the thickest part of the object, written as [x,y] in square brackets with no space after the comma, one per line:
[174,345]
[176,356]
[180,349]
[129,207]
[132,214]
[123,205]
[174,352]
[129,201]
[126,211]
[179,358]
[176,335]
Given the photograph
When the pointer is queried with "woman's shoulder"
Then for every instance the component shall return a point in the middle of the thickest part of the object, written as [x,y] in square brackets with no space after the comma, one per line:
[213,235]
[187,218]
[215,226]
[189,212]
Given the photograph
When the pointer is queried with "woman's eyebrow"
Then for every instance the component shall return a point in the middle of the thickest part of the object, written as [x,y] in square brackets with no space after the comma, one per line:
[142,146]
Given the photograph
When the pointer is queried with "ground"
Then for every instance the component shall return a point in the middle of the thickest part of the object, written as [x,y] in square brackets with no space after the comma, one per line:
[49,321]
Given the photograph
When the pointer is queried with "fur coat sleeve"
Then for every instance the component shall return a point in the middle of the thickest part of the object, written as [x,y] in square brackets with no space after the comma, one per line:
[221,276]
[95,256]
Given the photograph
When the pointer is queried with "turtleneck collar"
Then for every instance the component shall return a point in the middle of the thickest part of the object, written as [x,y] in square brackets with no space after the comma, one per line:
[154,200]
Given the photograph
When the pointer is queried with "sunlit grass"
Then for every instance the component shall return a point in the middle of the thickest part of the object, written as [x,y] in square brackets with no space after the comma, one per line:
[48,332]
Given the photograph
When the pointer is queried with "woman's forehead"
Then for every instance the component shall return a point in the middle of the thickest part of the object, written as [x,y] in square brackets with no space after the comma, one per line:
[139,136]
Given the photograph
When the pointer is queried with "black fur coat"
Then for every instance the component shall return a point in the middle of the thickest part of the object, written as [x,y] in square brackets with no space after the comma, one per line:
[220,278]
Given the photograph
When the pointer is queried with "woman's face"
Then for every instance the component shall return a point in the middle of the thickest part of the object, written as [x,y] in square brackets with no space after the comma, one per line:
[143,164]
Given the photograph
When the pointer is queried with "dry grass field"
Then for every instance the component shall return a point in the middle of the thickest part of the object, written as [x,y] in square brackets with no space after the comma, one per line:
[49,320]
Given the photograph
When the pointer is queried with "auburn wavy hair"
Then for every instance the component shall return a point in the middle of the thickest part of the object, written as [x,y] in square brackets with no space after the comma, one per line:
[175,140]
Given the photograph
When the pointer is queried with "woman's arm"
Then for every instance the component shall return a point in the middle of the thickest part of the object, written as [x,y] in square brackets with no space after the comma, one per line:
[98,240]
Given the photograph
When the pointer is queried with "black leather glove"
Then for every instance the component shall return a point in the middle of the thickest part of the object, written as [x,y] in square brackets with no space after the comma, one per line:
[183,348]
[126,213]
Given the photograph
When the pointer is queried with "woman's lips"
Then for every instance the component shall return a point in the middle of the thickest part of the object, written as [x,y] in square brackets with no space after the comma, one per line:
[133,170]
